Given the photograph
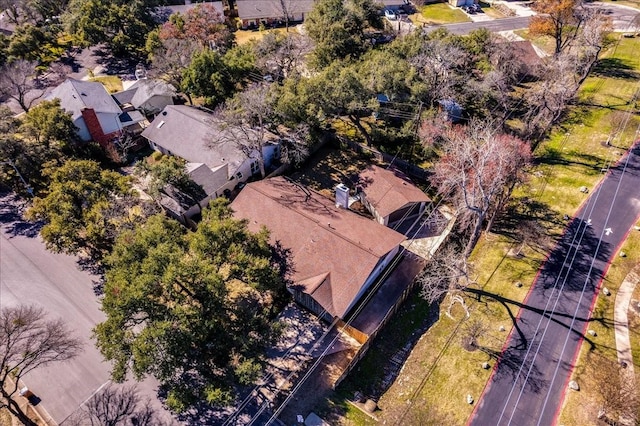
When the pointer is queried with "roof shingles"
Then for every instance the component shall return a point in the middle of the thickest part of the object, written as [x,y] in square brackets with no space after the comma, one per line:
[333,250]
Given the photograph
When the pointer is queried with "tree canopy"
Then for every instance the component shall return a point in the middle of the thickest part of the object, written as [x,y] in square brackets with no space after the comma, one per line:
[338,28]
[75,205]
[192,309]
[47,122]
[122,24]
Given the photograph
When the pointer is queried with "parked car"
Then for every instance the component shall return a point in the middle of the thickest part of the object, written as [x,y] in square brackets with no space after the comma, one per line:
[476,7]
[390,14]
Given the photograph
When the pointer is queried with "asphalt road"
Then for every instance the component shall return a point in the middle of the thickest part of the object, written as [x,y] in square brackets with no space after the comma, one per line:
[496,25]
[32,275]
[528,384]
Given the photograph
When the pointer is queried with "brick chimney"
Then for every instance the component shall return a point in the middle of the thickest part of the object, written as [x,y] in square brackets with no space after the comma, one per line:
[93,124]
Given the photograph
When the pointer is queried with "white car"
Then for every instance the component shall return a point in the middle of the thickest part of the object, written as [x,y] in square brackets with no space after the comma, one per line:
[390,14]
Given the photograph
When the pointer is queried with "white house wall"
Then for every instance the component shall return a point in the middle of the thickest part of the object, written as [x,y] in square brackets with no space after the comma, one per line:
[83,131]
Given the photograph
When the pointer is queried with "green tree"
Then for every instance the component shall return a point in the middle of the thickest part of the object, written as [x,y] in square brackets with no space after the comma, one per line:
[190,308]
[34,43]
[73,209]
[122,24]
[338,28]
[206,77]
[217,77]
[27,156]
[47,122]
[169,170]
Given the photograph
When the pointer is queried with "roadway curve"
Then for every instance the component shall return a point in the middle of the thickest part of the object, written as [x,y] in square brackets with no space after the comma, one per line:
[528,383]
[29,274]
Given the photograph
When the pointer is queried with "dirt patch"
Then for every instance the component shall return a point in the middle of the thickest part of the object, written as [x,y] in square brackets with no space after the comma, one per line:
[5,418]
[330,167]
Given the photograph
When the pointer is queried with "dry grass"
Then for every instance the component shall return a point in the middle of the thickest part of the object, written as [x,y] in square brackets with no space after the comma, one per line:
[111,82]
[246,36]
[438,13]
[330,167]
[5,418]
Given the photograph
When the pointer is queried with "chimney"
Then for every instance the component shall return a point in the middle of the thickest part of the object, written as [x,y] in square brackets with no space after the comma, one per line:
[93,124]
[342,196]
[95,128]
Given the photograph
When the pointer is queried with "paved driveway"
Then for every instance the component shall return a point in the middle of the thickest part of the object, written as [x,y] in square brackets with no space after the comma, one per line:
[32,275]
[528,384]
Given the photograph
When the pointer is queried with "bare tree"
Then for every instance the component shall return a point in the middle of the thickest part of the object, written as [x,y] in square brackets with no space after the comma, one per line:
[116,405]
[446,275]
[282,55]
[245,119]
[441,65]
[477,172]
[169,61]
[295,144]
[615,390]
[18,81]
[29,341]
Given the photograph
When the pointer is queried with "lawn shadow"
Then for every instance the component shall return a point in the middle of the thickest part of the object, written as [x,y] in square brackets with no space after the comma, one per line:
[615,68]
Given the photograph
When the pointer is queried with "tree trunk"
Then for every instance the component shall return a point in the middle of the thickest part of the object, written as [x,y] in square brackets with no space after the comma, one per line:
[14,408]
[475,236]
[356,122]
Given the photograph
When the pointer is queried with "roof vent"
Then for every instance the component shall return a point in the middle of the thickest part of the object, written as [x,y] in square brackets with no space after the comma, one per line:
[160,124]
[342,196]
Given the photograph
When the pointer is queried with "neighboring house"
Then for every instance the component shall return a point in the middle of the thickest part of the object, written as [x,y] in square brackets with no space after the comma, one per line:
[195,136]
[336,254]
[252,13]
[149,96]
[184,207]
[95,113]
[531,62]
[166,11]
[390,197]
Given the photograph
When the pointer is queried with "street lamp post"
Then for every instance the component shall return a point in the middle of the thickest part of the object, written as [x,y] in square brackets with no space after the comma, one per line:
[24,182]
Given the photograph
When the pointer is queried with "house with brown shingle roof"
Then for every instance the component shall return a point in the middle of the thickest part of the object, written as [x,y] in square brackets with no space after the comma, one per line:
[390,196]
[336,254]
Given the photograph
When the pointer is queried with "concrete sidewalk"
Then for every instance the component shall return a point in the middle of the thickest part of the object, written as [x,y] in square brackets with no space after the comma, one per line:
[621,328]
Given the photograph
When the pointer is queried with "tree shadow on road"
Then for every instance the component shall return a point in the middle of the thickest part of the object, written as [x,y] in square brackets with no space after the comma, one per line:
[11,210]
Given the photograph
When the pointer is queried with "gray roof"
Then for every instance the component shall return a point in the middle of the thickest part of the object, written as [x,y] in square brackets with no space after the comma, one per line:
[256,9]
[143,90]
[193,134]
[183,8]
[391,3]
[125,96]
[202,175]
[76,95]
[148,88]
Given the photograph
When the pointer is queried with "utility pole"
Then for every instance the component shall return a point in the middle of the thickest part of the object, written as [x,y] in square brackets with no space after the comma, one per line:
[28,188]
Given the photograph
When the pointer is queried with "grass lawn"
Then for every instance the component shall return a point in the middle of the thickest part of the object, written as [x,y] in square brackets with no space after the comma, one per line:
[438,13]
[245,36]
[439,374]
[491,11]
[111,82]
